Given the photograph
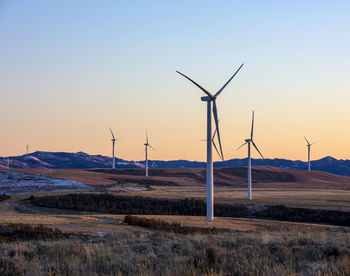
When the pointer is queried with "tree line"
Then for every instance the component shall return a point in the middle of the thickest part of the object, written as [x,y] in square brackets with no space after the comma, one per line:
[130,205]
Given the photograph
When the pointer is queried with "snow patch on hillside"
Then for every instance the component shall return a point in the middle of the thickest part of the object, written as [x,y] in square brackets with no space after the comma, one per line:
[20,183]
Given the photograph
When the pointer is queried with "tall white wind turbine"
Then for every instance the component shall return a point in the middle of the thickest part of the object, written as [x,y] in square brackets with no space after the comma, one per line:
[146,153]
[211,100]
[308,153]
[113,145]
[249,141]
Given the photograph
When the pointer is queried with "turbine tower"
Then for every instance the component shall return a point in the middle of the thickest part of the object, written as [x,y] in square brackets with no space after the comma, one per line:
[27,149]
[308,153]
[211,100]
[250,141]
[146,153]
[113,144]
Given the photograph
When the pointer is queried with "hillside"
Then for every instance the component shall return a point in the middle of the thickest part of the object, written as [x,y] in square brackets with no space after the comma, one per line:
[263,177]
[81,160]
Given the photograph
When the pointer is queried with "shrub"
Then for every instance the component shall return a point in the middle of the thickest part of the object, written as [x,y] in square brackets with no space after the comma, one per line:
[4,197]
[162,225]
[20,231]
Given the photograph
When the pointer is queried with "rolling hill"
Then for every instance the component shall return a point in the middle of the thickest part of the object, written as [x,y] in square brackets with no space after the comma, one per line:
[81,160]
[235,177]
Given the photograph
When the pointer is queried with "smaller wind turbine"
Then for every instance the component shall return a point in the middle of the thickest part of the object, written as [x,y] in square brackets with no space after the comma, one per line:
[308,153]
[146,152]
[113,144]
[248,141]
[27,149]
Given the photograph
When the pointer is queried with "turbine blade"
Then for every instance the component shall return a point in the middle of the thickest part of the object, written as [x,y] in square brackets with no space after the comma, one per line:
[214,134]
[306,141]
[146,137]
[313,143]
[216,149]
[200,87]
[251,134]
[257,149]
[151,147]
[222,88]
[241,146]
[112,133]
[217,127]
[212,140]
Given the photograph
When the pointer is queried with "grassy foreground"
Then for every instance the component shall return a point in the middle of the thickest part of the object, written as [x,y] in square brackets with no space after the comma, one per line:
[157,253]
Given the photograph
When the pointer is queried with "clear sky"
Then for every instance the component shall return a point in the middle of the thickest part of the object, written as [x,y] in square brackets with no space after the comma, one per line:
[69,70]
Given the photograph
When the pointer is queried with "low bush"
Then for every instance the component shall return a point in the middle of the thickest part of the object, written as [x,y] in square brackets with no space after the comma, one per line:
[20,231]
[162,225]
[4,197]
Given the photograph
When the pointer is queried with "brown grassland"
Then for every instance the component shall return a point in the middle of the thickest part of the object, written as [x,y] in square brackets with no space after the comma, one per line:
[108,246]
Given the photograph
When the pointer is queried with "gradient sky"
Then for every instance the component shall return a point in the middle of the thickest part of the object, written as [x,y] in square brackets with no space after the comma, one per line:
[72,69]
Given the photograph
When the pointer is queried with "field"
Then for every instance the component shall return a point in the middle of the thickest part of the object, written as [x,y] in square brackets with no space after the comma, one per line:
[100,242]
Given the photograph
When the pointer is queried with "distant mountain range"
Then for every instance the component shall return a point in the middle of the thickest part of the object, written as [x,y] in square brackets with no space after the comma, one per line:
[81,160]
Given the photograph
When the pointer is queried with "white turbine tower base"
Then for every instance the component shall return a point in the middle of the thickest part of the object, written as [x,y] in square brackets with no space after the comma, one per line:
[146,154]
[209,174]
[113,146]
[211,105]
[250,141]
[309,153]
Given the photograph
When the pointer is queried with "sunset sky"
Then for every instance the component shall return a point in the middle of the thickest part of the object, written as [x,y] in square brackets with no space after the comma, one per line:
[69,70]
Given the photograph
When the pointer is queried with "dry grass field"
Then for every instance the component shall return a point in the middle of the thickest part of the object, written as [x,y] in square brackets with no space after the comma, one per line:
[271,185]
[102,244]
[293,188]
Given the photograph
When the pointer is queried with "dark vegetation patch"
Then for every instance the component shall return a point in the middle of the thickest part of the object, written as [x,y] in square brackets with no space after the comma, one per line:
[145,181]
[224,176]
[26,232]
[173,227]
[126,205]
[4,197]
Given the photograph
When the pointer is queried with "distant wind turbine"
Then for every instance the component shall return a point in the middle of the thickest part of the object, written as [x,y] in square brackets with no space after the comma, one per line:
[308,153]
[146,152]
[113,145]
[248,141]
[27,149]
[210,98]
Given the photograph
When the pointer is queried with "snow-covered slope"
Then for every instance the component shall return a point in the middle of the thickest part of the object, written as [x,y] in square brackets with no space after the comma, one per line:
[14,182]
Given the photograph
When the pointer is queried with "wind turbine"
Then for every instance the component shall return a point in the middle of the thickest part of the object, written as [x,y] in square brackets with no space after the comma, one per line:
[146,152]
[211,99]
[27,149]
[248,141]
[308,153]
[113,143]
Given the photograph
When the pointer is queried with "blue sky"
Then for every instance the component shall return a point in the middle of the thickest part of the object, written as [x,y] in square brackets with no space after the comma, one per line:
[72,69]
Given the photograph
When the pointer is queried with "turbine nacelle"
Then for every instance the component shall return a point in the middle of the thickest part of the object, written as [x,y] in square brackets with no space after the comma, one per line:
[206,99]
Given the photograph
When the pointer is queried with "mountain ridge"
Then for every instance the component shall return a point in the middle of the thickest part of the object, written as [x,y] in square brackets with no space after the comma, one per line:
[82,160]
